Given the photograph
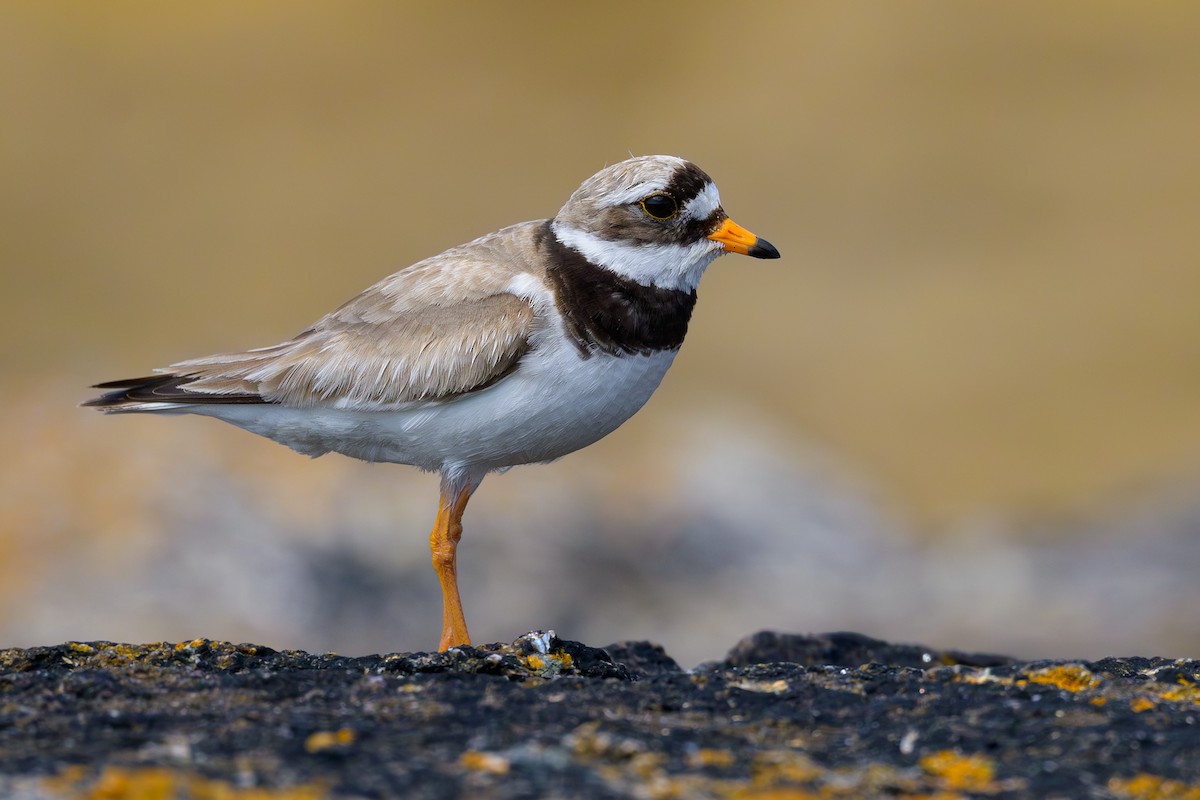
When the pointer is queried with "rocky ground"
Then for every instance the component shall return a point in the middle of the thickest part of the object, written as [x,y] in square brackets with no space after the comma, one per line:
[781,716]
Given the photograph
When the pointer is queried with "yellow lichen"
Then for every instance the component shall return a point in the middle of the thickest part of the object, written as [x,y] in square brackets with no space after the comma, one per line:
[323,740]
[783,766]
[1071,677]
[552,664]
[159,783]
[647,766]
[67,781]
[1185,692]
[1140,704]
[711,757]
[484,762]
[150,783]
[1144,786]
[125,652]
[972,773]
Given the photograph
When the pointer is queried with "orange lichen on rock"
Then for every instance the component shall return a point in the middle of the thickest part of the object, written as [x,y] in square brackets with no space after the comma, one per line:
[550,664]
[484,762]
[1070,677]
[106,653]
[1185,692]
[1140,704]
[160,783]
[1145,786]
[783,766]
[972,773]
[711,757]
[324,740]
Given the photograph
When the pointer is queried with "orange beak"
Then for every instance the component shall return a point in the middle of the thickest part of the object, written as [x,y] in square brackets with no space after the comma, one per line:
[736,239]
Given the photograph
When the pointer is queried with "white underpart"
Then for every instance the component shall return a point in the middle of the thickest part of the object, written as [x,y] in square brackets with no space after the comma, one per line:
[702,206]
[554,403]
[667,266]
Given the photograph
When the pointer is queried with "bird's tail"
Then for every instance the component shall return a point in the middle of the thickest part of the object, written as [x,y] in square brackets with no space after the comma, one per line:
[159,393]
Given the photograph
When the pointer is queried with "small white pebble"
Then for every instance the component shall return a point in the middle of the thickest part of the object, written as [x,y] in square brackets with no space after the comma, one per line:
[541,640]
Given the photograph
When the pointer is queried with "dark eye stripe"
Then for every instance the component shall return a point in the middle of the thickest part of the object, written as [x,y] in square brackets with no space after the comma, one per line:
[697,229]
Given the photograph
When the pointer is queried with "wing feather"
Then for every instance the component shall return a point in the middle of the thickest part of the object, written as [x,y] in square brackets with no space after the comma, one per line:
[440,328]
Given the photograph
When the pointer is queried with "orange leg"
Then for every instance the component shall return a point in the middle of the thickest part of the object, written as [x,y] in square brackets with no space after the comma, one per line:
[443,544]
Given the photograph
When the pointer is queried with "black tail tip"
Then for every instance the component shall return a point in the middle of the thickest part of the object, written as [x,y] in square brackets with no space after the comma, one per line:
[119,391]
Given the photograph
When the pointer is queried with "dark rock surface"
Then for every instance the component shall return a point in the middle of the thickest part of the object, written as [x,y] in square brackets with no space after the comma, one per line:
[839,715]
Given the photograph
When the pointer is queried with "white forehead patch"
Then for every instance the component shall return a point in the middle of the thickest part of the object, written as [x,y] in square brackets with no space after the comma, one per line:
[702,206]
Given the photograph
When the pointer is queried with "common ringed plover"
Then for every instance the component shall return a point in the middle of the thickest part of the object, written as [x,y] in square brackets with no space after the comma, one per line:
[516,348]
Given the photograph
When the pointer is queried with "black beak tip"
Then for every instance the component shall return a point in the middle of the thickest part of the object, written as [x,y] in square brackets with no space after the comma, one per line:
[763,249]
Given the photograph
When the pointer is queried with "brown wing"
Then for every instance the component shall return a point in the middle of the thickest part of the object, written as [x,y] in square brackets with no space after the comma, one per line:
[443,327]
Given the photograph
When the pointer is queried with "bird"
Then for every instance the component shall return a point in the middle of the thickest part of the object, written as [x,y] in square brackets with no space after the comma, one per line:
[518,347]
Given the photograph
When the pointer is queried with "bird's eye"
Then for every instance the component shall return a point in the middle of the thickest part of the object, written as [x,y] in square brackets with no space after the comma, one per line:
[660,206]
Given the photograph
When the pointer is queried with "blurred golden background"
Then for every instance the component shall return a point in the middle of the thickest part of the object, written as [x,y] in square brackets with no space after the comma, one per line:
[963,406]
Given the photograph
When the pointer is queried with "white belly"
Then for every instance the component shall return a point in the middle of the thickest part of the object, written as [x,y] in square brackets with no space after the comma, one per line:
[554,403]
